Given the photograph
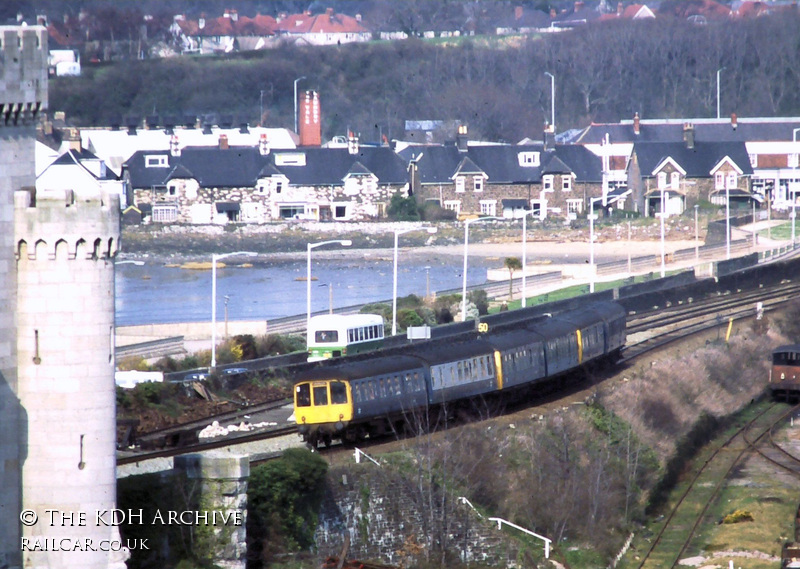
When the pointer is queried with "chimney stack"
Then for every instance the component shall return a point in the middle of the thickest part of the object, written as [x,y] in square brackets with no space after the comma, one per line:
[174,147]
[688,135]
[518,12]
[733,121]
[352,143]
[620,9]
[75,139]
[461,138]
[636,124]
[223,141]
[263,144]
[310,122]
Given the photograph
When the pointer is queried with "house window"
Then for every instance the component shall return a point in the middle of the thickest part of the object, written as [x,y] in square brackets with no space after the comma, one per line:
[732,179]
[674,180]
[719,181]
[453,205]
[292,211]
[278,186]
[340,212]
[165,213]
[156,161]
[566,183]
[460,184]
[574,206]
[478,181]
[529,159]
[547,183]
[662,180]
[753,160]
[261,189]
[489,207]
[172,190]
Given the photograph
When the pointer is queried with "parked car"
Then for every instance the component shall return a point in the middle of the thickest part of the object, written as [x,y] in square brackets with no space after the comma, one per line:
[234,370]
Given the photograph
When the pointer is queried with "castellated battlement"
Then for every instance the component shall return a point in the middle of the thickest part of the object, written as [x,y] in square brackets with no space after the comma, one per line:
[23,74]
[60,224]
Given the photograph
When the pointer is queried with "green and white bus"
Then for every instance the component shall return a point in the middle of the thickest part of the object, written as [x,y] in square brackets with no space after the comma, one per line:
[334,335]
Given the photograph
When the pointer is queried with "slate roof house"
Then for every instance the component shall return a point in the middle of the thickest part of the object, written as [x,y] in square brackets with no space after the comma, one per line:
[768,142]
[683,173]
[504,180]
[254,184]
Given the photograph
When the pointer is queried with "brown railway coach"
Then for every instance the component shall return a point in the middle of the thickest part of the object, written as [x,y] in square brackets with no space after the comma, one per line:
[784,375]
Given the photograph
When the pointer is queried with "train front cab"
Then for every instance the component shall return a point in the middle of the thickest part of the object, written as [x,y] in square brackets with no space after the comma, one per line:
[784,376]
[322,409]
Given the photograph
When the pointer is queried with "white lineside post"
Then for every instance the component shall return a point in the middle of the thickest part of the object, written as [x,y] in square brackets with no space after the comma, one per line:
[466,249]
[547,541]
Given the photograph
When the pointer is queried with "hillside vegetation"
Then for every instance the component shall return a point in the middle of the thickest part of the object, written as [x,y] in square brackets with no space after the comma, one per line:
[603,72]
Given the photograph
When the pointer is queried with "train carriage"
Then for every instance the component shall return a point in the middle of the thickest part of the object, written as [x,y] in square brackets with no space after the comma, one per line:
[460,370]
[784,375]
[521,356]
[600,330]
[329,399]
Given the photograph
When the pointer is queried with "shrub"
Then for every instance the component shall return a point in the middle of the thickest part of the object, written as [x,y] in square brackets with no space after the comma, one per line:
[737,517]
[408,317]
[481,301]
[432,211]
[402,209]
[283,498]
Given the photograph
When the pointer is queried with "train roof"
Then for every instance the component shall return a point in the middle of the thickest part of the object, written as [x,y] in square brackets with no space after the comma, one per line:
[513,338]
[789,348]
[589,315]
[437,352]
[361,368]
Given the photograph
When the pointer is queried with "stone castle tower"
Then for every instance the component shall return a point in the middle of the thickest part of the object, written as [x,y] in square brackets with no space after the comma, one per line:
[57,398]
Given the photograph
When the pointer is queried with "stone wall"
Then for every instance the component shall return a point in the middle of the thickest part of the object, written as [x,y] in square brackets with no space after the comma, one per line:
[387,521]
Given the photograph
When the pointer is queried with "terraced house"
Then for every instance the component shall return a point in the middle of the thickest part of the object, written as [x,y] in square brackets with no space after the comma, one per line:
[248,184]
[505,180]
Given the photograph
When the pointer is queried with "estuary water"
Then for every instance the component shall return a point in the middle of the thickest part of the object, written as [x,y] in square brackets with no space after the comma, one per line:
[159,294]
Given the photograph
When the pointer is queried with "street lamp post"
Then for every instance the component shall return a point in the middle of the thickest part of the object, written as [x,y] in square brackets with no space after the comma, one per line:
[427,282]
[792,184]
[592,217]
[295,102]
[214,259]
[466,249]
[696,235]
[398,233]
[718,72]
[727,220]
[261,108]
[663,247]
[309,247]
[330,296]
[552,101]
[525,214]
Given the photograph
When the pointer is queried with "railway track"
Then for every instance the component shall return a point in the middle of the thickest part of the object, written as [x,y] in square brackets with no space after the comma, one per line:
[691,507]
[646,332]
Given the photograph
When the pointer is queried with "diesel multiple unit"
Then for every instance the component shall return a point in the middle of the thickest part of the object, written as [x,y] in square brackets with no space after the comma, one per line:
[380,394]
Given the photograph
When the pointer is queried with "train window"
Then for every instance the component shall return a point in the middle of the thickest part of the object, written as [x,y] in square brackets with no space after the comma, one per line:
[338,393]
[357,396]
[321,395]
[303,395]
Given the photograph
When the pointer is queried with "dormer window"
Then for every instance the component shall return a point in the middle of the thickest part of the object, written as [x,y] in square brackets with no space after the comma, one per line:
[156,161]
[478,183]
[662,180]
[675,180]
[529,159]
[460,184]
[719,181]
[732,179]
